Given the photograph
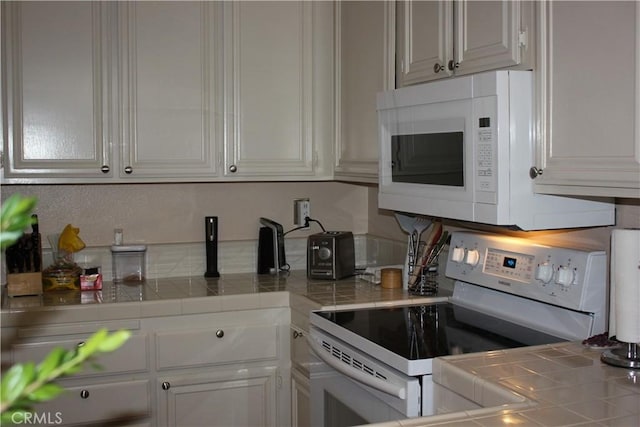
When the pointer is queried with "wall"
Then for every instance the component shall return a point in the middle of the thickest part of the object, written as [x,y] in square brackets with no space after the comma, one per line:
[174,213]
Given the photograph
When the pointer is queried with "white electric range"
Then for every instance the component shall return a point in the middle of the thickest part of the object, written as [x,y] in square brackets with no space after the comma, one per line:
[509,292]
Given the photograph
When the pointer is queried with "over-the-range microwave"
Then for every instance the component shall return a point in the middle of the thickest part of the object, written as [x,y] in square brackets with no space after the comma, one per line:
[462,147]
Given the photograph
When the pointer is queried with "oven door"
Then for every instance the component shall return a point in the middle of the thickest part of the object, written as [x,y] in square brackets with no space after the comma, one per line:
[349,388]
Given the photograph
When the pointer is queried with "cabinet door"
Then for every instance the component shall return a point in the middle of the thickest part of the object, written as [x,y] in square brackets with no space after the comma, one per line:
[172,102]
[243,397]
[589,119]
[300,399]
[56,69]
[364,64]
[486,35]
[274,88]
[424,40]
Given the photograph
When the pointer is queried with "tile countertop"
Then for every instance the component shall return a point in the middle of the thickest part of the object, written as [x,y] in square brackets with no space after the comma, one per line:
[562,384]
[554,385]
[190,295]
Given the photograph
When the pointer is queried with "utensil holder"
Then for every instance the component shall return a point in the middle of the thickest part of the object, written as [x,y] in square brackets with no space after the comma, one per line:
[427,282]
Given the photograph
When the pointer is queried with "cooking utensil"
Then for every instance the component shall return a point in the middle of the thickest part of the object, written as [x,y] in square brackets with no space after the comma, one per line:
[419,227]
[432,239]
[437,249]
[406,224]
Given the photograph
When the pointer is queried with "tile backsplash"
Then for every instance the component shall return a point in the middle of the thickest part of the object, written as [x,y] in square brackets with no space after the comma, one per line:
[189,259]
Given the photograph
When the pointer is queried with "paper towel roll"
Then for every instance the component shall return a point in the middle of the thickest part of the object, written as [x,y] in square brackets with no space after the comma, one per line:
[624,316]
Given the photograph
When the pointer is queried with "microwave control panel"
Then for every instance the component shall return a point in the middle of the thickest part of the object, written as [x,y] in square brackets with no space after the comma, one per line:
[485,143]
[566,277]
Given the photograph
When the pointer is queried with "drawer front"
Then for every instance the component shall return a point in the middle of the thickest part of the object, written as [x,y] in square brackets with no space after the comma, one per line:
[216,346]
[133,356]
[99,402]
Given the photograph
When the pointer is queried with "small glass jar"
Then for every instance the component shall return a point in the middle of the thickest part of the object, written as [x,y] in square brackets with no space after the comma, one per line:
[129,263]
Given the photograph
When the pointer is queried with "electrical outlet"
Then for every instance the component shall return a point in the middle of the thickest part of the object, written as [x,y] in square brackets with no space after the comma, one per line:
[301,210]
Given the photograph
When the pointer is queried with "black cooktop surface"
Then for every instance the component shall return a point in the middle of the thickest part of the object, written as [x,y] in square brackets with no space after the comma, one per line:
[440,329]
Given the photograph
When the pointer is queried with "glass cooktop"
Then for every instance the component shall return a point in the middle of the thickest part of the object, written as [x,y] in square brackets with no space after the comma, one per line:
[440,329]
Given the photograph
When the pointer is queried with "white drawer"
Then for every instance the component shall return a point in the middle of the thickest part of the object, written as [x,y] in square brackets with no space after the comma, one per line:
[227,344]
[99,402]
[133,356]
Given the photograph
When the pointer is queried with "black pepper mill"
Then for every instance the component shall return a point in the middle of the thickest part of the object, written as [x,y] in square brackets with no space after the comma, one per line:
[211,245]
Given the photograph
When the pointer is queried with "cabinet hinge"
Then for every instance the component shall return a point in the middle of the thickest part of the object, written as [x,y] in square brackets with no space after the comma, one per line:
[401,66]
[279,382]
[522,39]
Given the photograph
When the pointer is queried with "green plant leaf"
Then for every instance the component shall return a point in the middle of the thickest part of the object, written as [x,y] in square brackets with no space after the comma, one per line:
[51,362]
[46,392]
[114,341]
[15,380]
[15,216]
[91,345]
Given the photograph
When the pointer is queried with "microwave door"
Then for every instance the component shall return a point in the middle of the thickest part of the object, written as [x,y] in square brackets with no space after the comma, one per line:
[428,158]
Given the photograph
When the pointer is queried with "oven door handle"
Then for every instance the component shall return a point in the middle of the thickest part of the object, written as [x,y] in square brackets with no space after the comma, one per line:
[355,374]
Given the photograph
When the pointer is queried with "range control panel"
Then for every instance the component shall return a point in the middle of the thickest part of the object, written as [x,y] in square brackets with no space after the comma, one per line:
[567,277]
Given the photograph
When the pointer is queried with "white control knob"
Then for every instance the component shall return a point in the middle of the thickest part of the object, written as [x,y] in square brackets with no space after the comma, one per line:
[473,257]
[544,272]
[565,276]
[457,255]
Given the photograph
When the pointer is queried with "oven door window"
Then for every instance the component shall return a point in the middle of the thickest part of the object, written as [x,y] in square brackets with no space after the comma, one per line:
[428,158]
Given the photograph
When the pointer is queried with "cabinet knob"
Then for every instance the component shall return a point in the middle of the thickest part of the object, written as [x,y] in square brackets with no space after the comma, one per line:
[84,394]
[233,168]
[534,172]
[219,333]
[437,68]
[105,168]
[453,65]
[297,334]
[128,170]
[166,385]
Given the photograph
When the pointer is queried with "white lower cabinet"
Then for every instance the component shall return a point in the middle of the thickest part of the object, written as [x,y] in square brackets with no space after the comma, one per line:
[222,369]
[117,392]
[300,399]
[212,369]
[219,397]
[300,383]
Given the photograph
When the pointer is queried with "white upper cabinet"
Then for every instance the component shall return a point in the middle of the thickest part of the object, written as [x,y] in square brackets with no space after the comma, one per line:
[589,116]
[439,39]
[170,88]
[364,67]
[167,91]
[56,68]
[279,69]
[107,91]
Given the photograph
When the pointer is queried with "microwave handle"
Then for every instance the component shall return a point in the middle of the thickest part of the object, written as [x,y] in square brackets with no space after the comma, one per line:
[356,375]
